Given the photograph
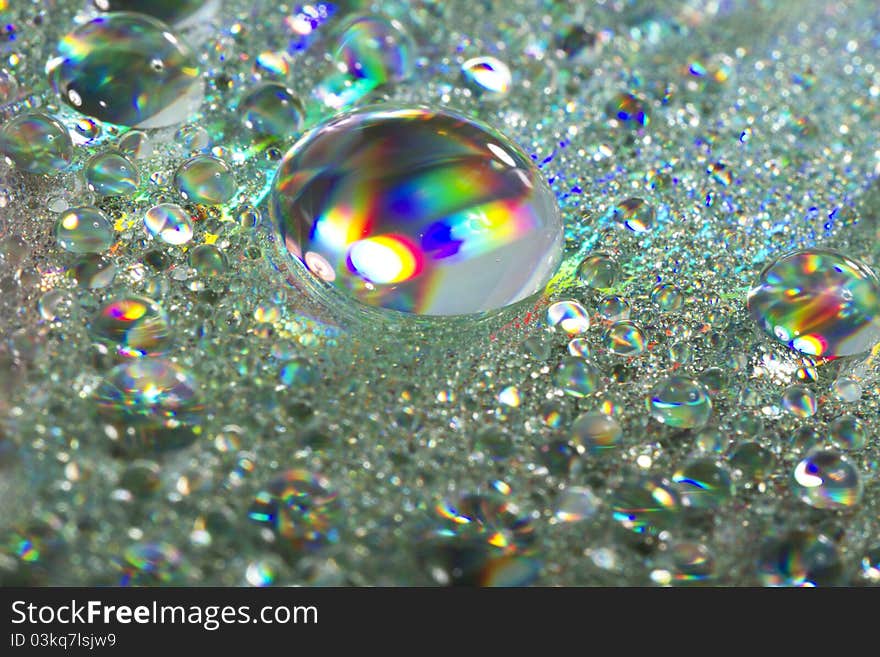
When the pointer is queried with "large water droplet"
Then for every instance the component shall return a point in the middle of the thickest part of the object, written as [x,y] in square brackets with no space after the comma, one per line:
[127,69]
[271,111]
[84,230]
[418,210]
[37,143]
[826,480]
[111,174]
[134,326]
[679,402]
[820,302]
[205,179]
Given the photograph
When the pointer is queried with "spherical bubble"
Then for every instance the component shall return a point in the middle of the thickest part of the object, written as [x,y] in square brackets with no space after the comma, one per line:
[577,503]
[148,387]
[819,302]
[208,260]
[703,484]
[134,326]
[625,338]
[824,479]
[170,11]
[634,214]
[598,270]
[751,461]
[848,432]
[847,390]
[271,110]
[127,69]
[417,210]
[489,77]
[300,507]
[799,400]
[628,109]
[799,558]
[205,179]
[579,347]
[577,377]
[614,308]
[569,316]
[111,174]
[84,230]
[37,143]
[679,402]
[170,223]
[645,505]
[490,518]
[667,297]
[596,431]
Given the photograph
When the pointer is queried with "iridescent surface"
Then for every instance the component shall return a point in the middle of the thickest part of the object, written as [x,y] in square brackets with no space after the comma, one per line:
[679,402]
[646,505]
[134,326]
[111,174]
[127,69]
[299,507]
[150,388]
[36,143]
[84,230]
[205,179]
[170,223]
[703,484]
[819,302]
[625,338]
[487,76]
[568,316]
[799,558]
[419,211]
[271,111]
[825,479]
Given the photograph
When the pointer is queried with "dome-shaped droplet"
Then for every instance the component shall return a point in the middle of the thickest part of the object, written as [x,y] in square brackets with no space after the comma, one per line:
[84,230]
[170,11]
[205,179]
[799,558]
[635,214]
[703,484]
[488,77]
[300,507]
[417,210]
[847,432]
[825,479]
[820,302]
[271,111]
[37,143]
[577,377]
[645,505]
[133,326]
[111,174]
[679,402]
[625,338]
[799,400]
[170,223]
[372,51]
[598,270]
[149,387]
[596,431]
[127,69]
[569,317]
[208,260]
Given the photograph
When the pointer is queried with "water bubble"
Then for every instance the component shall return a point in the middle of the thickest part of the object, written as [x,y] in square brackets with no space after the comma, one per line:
[37,143]
[94,272]
[417,210]
[625,338]
[149,388]
[799,558]
[127,69]
[271,110]
[848,432]
[598,270]
[634,214]
[645,505]
[489,77]
[300,507]
[703,484]
[679,402]
[579,347]
[491,519]
[613,308]
[799,400]
[750,461]
[847,390]
[151,564]
[824,479]
[205,179]
[111,174]
[577,377]
[135,144]
[596,431]
[819,302]
[208,260]
[577,503]
[628,109]
[170,223]
[84,230]
[570,316]
[192,139]
[134,326]
[372,52]
[667,297]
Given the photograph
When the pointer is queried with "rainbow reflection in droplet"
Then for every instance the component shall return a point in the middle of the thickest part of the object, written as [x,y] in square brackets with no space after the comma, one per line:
[825,479]
[819,302]
[417,210]
[134,326]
